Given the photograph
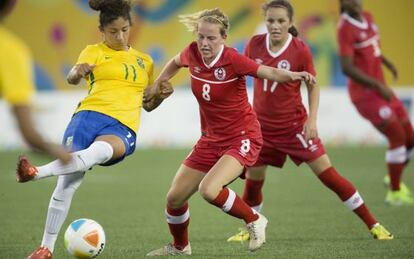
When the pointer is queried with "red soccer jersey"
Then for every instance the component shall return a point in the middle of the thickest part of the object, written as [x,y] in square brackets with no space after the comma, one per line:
[360,40]
[279,106]
[220,89]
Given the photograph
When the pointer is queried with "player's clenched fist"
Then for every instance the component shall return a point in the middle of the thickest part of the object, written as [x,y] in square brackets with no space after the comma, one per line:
[165,89]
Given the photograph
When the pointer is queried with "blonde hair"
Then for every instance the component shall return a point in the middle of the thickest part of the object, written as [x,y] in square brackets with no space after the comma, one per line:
[209,15]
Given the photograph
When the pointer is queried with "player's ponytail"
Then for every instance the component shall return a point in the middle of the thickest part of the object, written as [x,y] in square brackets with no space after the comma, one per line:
[282,4]
[110,10]
[292,30]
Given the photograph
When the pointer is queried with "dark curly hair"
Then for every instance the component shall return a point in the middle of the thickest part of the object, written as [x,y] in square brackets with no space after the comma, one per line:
[5,7]
[111,10]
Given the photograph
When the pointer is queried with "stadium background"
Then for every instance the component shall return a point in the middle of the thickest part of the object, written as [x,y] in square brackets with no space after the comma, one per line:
[128,199]
[57,30]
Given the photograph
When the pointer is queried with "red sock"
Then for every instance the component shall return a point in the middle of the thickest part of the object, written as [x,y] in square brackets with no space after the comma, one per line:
[395,172]
[232,204]
[348,194]
[252,193]
[178,221]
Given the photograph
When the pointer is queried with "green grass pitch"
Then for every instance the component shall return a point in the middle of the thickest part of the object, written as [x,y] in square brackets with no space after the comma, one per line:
[306,220]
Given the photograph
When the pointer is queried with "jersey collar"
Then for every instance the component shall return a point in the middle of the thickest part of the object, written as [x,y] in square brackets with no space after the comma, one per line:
[280,51]
[361,25]
[113,50]
[215,60]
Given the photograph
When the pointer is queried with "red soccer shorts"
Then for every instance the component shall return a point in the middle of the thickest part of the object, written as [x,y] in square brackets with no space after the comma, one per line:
[205,154]
[276,149]
[378,111]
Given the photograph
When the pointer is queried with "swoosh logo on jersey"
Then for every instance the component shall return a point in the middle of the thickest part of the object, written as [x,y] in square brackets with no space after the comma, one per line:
[108,57]
[129,135]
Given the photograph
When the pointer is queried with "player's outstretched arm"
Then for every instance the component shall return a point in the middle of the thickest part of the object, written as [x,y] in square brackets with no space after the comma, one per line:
[391,67]
[170,69]
[282,75]
[310,128]
[33,138]
[154,91]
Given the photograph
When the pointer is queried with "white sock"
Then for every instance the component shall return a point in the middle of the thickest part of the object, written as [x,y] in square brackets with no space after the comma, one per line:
[258,208]
[354,202]
[59,207]
[97,153]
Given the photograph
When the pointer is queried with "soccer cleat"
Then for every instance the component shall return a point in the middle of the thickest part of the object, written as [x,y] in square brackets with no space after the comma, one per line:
[399,198]
[25,170]
[170,250]
[257,232]
[243,235]
[380,233]
[41,253]
[403,186]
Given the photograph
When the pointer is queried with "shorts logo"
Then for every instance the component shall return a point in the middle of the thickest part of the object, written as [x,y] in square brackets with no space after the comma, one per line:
[385,112]
[283,64]
[309,144]
[220,73]
[313,147]
[69,141]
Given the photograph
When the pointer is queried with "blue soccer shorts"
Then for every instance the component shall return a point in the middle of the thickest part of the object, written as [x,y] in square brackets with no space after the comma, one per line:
[86,126]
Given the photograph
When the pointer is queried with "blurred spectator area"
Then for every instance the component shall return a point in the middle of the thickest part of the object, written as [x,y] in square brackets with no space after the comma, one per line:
[57,30]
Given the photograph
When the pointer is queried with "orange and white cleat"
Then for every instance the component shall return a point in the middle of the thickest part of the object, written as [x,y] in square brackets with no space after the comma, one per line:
[25,170]
[41,253]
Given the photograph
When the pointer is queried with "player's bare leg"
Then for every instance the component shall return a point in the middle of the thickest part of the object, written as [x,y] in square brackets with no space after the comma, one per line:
[252,195]
[177,213]
[211,188]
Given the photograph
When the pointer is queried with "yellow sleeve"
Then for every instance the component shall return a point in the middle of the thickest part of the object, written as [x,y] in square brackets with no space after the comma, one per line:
[16,74]
[89,55]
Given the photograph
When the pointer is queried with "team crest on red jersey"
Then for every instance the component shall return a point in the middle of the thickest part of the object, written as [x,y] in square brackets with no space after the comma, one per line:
[283,64]
[220,73]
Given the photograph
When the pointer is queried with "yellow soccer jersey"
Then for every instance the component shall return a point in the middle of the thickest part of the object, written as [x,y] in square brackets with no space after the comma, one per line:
[16,74]
[117,83]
